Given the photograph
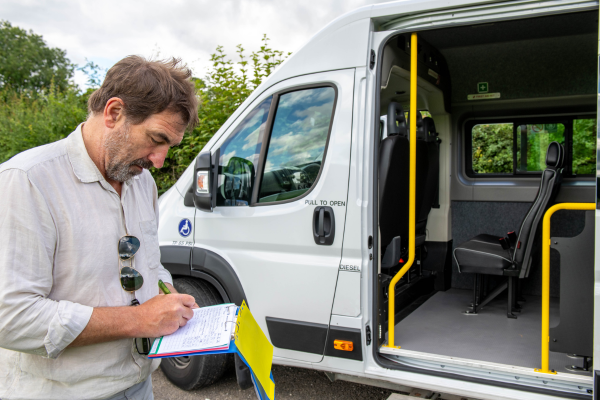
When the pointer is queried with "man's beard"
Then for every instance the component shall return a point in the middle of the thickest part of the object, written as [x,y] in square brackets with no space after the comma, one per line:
[120,167]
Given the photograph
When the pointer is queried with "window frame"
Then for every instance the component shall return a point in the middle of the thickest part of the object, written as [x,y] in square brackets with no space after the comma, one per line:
[267,140]
[565,119]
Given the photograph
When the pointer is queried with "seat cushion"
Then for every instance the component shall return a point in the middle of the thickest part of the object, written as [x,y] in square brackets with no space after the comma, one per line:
[482,255]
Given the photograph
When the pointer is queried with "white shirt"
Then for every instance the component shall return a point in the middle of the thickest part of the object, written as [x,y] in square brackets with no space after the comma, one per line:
[60,222]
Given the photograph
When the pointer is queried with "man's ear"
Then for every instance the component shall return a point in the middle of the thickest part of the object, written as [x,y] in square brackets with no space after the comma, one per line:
[113,112]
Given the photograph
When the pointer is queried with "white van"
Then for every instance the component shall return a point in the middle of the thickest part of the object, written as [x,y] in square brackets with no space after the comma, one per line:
[301,203]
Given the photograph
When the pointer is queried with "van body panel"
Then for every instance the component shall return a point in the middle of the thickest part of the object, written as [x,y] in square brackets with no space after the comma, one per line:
[284,273]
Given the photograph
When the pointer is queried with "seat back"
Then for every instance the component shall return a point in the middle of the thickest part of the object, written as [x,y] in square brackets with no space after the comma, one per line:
[394,156]
[428,177]
[527,241]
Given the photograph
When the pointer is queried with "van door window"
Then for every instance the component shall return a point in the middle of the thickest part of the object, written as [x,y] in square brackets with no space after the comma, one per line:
[297,143]
[239,157]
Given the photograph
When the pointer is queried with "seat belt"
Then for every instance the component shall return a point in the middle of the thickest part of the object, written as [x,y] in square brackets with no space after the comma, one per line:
[436,197]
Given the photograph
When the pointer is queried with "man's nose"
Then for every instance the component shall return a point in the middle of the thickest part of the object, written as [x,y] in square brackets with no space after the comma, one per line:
[158,156]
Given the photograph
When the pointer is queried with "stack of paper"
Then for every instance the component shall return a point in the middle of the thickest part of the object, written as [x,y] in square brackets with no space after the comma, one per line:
[210,329]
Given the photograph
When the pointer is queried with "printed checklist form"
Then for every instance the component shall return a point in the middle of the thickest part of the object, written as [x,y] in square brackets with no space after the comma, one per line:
[224,329]
[211,328]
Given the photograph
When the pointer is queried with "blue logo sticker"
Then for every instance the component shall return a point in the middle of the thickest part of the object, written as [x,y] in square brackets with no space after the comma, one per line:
[185,227]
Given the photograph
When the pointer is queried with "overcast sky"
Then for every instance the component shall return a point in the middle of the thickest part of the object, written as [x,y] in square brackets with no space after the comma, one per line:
[108,30]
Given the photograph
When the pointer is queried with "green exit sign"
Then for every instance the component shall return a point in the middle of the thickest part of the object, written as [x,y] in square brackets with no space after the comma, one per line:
[482,87]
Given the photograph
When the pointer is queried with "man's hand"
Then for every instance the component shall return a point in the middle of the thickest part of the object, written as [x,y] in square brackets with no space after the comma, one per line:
[163,315]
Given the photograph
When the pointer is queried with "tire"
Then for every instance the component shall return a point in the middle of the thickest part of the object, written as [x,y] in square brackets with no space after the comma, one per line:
[189,373]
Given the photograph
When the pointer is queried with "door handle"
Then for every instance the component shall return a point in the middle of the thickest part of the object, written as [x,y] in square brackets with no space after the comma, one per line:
[323,226]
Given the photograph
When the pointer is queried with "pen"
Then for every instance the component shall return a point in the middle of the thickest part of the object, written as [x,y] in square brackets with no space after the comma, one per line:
[163,287]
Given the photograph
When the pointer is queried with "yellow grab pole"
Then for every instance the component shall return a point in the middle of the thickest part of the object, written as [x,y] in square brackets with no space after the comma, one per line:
[411,190]
[546,242]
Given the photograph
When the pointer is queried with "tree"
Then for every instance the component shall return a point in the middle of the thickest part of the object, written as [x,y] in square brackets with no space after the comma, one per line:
[28,64]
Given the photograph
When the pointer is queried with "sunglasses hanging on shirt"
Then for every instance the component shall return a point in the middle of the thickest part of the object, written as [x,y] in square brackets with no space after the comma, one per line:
[131,279]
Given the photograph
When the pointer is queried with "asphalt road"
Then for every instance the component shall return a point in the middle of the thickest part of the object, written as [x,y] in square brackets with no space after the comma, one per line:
[291,383]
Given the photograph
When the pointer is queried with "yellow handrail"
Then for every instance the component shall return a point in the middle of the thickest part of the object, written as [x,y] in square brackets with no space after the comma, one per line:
[546,242]
[411,190]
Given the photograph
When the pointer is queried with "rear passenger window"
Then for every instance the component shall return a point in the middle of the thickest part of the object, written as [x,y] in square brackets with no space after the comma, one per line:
[297,143]
[518,147]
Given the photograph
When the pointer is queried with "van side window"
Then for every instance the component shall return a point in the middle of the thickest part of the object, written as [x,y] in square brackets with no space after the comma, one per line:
[518,147]
[297,143]
[239,158]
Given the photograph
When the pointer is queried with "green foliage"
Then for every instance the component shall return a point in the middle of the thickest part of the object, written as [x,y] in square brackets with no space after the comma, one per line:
[30,121]
[225,87]
[584,146]
[27,63]
[492,148]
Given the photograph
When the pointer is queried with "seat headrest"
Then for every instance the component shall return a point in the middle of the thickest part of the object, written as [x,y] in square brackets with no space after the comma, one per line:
[555,155]
[428,133]
[396,120]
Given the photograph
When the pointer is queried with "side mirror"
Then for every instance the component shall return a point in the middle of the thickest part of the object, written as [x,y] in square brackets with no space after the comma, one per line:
[203,182]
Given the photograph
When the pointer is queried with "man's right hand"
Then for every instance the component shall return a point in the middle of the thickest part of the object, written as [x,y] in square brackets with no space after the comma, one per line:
[164,314]
[159,316]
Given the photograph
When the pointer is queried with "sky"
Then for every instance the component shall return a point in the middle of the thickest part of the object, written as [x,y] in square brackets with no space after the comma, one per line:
[106,31]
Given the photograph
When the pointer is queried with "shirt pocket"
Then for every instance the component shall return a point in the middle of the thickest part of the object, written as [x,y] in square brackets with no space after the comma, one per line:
[151,247]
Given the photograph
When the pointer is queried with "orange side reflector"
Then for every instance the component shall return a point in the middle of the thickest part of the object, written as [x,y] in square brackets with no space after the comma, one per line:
[343,345]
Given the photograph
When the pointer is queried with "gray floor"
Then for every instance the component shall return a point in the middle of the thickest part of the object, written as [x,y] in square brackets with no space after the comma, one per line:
[440,327]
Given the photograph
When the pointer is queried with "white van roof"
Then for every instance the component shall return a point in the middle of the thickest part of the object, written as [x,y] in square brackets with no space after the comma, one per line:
[344,42]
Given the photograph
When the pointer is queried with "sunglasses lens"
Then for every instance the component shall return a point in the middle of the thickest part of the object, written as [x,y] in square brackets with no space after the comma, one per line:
[128,246]
[131,280]
[143,346]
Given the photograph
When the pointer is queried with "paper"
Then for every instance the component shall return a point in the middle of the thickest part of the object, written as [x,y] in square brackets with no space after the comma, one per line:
[210,328]
[255,348]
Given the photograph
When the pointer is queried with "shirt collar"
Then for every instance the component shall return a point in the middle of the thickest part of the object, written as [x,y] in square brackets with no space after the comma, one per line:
[83,166]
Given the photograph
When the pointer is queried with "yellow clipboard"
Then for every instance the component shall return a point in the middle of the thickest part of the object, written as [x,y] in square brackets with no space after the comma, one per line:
[256,349]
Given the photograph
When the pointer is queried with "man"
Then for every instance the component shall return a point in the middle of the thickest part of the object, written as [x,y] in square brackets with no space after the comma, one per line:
[67,326]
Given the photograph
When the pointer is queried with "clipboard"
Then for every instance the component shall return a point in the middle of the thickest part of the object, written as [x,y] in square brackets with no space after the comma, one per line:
[251,344]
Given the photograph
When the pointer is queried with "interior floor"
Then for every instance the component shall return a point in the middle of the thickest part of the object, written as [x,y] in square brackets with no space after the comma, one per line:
[439,326]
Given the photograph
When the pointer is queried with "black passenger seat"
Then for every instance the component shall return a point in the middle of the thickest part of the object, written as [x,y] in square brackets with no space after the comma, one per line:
[511,256]
[394,165]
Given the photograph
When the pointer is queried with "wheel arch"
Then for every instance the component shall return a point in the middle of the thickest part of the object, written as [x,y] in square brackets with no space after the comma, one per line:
[206,265]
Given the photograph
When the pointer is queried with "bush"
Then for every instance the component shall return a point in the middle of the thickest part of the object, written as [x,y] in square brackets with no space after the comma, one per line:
[33,120]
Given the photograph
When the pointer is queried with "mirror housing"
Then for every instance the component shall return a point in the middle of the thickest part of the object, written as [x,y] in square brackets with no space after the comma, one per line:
[203,182]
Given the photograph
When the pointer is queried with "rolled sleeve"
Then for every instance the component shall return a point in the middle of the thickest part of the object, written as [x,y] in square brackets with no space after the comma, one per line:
[165,275]
[67,323]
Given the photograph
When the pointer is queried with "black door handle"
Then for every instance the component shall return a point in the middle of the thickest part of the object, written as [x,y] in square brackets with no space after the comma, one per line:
[323,226]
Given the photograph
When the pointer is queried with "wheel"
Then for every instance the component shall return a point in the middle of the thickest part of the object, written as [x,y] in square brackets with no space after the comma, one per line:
[189,373]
